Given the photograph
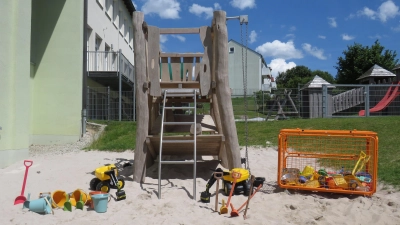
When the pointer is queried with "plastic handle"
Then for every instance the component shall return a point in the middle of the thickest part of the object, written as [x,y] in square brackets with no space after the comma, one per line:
[28,161]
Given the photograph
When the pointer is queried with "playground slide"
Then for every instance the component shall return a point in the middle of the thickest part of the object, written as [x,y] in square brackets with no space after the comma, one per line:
[390,95]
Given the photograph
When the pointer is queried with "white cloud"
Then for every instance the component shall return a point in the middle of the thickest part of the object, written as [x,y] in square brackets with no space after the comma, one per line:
[134,4]
[396,29]
[347,37]
[280,65]
[253,36]
[166,9]
[332,21]
[279,49]
[290,36]
[179,37]
[163,38]
[292,28]
[376,36]
[386,10]
[217,6]
[314,51]
[198,10]
[242,4]
[322,36]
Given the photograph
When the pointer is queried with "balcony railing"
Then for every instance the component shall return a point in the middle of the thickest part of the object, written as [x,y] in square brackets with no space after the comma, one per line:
[99,61]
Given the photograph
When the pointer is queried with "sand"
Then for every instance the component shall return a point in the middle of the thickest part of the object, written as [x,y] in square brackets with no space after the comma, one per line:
[271,205]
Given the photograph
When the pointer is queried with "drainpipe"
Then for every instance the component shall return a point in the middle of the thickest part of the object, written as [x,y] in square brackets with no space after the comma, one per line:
[120,88]
[84,73]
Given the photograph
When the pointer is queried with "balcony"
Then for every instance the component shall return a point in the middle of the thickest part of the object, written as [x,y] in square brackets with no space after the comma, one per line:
[105,67]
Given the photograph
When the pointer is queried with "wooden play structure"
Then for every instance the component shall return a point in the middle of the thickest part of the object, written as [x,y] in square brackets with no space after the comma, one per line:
[165,90]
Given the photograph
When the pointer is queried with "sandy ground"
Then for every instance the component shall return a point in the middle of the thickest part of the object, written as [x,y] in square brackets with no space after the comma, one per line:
[272,205]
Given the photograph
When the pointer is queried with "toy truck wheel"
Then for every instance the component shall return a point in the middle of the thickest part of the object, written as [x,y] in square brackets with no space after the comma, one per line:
[247,187]
[103,186]
[121,183]
[93,183]
[227,188]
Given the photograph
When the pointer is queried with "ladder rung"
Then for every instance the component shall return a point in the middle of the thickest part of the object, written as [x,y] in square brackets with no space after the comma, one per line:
[180,95]
[177,162]
[178,123]
[177,141]
[181,107]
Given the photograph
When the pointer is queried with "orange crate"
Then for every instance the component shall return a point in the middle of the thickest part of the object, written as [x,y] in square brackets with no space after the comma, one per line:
[342,161]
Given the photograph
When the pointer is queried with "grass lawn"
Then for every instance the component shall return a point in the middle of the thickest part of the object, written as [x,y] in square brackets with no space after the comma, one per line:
[119,136]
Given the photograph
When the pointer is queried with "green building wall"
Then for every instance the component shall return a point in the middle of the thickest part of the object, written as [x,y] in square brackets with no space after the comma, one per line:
[41,83]
[15,83]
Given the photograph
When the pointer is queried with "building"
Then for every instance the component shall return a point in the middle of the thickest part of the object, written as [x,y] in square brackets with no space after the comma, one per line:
[258,73]
[110,60]
[42,75]
[48,60]
[376,74]
[396,70]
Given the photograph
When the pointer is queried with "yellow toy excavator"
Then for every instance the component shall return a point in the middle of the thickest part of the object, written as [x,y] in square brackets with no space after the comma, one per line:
[242,185]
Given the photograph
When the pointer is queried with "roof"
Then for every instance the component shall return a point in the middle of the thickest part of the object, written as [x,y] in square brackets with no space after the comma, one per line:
[396,67]
[377,71]
[262,58]
[129,5]
[317,82]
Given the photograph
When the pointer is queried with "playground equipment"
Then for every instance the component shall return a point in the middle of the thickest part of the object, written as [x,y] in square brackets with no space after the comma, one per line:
[106,177]
[336,161]
[160,80]
[280,103]
[390,95]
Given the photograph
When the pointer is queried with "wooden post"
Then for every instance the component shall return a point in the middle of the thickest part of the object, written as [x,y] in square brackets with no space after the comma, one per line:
[223,91]
[139,42]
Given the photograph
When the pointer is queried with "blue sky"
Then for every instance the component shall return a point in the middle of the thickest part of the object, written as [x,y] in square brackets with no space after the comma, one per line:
[313,33]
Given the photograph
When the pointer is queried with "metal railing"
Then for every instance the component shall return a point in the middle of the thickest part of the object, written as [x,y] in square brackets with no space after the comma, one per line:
[100,61]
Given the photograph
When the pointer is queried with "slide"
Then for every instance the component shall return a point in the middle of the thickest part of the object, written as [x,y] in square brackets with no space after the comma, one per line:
[390,95]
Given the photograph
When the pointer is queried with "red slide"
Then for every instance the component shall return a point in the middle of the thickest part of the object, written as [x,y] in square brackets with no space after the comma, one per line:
[386,100]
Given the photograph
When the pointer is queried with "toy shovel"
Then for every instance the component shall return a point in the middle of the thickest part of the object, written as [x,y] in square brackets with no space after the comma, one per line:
[67,204]
[80,204]
[21,198]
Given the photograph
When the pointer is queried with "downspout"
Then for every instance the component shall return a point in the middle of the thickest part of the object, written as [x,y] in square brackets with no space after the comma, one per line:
[84,70]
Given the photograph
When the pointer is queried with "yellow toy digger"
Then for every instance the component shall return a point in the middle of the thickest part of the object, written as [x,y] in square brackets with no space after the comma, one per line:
[242,185]
[106,178]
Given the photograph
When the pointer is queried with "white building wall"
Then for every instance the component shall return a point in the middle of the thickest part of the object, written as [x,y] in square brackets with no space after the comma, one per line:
[110,20]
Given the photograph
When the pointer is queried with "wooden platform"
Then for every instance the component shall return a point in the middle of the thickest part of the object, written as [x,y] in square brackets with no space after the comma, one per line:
[206,121]
[206,145]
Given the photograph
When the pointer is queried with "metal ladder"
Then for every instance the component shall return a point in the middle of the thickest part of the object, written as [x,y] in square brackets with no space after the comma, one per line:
[178,93]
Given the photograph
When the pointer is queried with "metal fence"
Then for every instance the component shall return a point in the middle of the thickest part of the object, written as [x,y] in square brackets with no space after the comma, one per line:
[103,104]
[336,100]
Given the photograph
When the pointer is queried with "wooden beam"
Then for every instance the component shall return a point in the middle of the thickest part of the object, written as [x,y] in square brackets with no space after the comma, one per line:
[179,30]
[153,60]
[142,108]
[175,54]
[151,148]
[223,90]
[205,65]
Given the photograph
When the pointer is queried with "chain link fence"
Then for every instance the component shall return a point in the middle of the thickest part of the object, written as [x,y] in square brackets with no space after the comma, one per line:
[326,102]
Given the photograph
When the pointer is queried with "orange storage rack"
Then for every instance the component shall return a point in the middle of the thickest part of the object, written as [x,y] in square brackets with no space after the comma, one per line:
[337,161]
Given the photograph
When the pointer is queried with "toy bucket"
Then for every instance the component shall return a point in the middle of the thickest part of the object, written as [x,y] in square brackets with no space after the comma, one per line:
[40,205]
[58,198]
[90,201]
[100,202]
[75,196]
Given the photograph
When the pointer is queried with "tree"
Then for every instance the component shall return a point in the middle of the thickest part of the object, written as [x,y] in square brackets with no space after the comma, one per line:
[358,59]
[300,75]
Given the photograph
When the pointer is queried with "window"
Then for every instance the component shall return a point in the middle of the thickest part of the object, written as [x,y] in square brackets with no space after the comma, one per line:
[231,49]
[121,23]
[126,34]
[130,37]
[115,14]
[100,2]
[109,8]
